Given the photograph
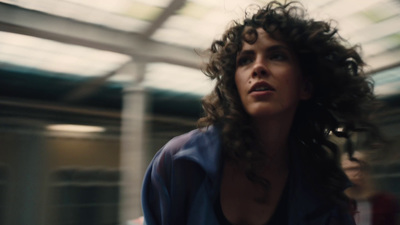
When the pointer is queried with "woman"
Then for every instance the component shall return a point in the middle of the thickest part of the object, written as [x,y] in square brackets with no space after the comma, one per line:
[262,154]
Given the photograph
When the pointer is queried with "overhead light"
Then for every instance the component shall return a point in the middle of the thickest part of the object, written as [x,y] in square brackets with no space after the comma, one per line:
[75,128]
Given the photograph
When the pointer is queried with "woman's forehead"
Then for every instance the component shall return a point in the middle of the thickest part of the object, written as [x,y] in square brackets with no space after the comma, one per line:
[261,36]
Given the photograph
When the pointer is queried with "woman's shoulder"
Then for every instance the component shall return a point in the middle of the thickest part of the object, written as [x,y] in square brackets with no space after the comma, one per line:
[194,138]
[198,147]
[179,142]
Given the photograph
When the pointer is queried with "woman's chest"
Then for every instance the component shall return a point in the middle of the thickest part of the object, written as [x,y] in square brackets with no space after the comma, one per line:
[246,202]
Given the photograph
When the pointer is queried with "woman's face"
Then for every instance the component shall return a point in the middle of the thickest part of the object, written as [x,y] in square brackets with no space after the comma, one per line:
[268,78]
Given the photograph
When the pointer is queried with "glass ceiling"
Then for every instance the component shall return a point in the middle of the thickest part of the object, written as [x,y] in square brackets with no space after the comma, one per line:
[56,57]
[375,24]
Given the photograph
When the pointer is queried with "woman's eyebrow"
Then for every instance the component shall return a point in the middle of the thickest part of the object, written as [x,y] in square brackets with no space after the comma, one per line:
[277,47]
[245,53]
[268,49]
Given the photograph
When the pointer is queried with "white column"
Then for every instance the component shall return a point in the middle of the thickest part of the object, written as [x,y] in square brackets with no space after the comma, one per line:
[132,147]
[27,187]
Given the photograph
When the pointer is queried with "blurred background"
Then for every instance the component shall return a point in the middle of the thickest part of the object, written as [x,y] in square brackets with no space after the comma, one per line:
[91,89]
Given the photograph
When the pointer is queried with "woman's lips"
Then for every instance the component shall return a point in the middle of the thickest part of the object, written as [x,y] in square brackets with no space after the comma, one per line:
[261,87]
[261,93]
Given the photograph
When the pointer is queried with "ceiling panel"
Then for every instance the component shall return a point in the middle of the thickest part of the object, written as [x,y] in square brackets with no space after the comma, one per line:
[171,77]
[387,82]
[40,54]
[197,23]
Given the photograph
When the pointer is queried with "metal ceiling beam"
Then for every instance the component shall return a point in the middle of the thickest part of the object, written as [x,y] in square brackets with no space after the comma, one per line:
[167,12]
[91,86]
[19,20]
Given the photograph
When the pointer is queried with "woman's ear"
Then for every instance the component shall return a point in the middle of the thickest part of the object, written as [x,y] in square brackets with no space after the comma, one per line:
[307,90]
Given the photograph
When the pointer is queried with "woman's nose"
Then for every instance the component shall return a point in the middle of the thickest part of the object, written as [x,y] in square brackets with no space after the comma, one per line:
[259,70]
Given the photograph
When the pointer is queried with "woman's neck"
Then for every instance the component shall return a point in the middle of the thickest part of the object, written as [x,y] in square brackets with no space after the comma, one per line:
[273,137]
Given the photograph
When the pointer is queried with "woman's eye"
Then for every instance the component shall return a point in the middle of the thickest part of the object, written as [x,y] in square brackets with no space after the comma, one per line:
[278,56]
[244,61]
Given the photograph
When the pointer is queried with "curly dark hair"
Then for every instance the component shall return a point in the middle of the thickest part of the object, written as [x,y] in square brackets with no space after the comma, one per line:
[342,94]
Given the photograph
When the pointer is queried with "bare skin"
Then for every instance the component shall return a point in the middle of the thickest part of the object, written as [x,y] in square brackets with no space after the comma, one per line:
[238,200]
[239,194]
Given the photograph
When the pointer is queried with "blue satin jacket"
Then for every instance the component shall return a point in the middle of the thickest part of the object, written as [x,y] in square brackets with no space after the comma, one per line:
[182,182]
